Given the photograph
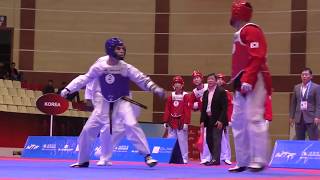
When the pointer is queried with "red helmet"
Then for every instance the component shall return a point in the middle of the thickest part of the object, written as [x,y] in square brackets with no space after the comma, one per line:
[220,75]
[196,73]
[177,79]
[240,10]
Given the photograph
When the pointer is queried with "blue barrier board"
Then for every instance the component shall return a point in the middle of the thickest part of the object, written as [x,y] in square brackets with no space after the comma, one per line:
[296,154]
[65,147]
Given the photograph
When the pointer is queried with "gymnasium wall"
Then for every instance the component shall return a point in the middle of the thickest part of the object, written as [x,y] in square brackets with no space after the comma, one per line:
[11,9]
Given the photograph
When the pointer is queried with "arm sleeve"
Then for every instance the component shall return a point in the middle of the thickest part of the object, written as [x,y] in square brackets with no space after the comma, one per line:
[230,105]
[203,107]
[268,109]
[192,99]
[143,81]
[224,106]
[166,114]
[293,104]
[317,108]
[82,80]
[187,109]
[255,41]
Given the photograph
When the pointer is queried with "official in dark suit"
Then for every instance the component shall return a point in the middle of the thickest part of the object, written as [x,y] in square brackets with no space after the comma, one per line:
[214,117]
[305,107]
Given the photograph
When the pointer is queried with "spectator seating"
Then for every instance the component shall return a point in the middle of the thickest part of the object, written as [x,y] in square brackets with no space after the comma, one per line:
[21,98]
[1,83]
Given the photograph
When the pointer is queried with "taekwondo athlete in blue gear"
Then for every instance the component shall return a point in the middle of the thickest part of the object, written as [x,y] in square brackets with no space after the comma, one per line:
[110,77]
[108,142]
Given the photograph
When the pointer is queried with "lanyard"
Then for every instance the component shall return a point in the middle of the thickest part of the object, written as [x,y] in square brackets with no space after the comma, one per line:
[306,93]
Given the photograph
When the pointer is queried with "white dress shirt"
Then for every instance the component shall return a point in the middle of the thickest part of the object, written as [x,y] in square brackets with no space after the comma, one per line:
[210,95]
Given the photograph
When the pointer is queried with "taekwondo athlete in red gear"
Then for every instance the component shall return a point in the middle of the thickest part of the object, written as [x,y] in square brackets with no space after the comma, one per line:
[111,77]
[177,116]
[225,142]
[196,104]
[252,84]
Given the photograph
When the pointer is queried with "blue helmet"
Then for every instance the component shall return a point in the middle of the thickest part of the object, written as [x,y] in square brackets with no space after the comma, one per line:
[110,46]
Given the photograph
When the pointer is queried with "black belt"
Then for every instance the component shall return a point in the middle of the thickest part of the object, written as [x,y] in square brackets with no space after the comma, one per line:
[110,115]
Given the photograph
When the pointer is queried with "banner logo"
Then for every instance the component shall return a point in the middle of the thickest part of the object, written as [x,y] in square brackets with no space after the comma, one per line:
[64,147]
[296,154]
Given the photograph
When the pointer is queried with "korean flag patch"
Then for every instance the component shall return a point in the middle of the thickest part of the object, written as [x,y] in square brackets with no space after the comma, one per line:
[254,45]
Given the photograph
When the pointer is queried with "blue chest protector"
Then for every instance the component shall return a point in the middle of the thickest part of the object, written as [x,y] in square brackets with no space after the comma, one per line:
[114,86]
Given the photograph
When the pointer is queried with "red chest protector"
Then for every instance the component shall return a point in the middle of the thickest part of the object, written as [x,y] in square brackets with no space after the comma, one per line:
[240,55]
[177,110]
[177,105]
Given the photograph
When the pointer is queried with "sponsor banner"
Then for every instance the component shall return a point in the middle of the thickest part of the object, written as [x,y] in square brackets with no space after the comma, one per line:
[65,147]
[52,104]
[296,154]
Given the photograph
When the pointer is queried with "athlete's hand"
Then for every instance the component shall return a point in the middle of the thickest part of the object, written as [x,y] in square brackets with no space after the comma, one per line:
[219,124]
[291,122]
[185,127]
[245,88]
[165,125]
[160,92]
[317,121]
[65,92]
[202,125]
[195,105]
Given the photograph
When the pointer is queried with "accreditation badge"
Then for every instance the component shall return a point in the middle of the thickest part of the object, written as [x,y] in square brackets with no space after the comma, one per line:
[303,105]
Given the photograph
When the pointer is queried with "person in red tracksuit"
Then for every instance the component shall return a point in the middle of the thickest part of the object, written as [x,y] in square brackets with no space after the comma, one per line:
[252,84]
[225,142]
[195,105]
[177,116]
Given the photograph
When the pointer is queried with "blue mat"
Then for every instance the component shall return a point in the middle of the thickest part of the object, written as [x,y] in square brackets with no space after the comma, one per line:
[58,169]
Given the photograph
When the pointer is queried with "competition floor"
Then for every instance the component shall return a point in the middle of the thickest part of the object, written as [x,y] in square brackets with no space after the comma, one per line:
[36,169]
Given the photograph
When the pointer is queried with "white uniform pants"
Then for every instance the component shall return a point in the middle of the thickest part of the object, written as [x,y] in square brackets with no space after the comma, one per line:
[248,125]
[205,156]
[182,136]
[100,118]
[225,145]
[108,142]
